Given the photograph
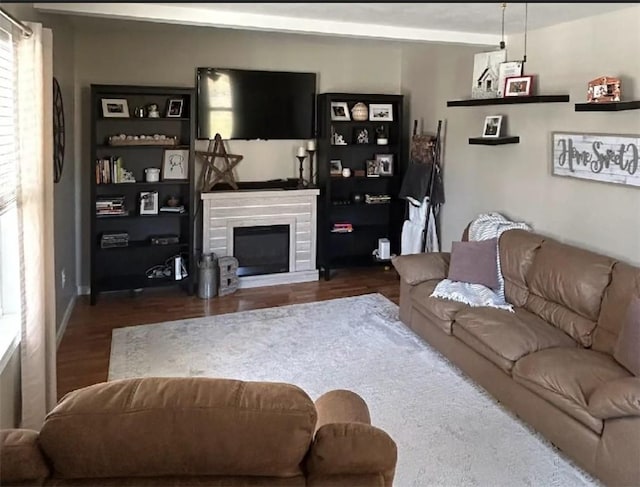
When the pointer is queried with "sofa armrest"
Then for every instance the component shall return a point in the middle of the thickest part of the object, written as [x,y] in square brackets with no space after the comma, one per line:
[417,268]
[341,406]
[20,457]
[616,399]
[352,449]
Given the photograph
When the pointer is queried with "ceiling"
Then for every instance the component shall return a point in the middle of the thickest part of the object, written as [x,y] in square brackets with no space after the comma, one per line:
[466,23]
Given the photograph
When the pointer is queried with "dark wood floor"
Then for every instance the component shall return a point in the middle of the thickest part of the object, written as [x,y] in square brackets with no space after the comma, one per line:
[83,355]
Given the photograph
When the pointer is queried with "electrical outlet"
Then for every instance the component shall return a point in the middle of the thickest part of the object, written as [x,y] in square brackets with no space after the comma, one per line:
[63,278]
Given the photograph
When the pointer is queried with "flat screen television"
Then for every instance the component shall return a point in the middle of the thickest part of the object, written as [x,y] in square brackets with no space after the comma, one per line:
[246,104]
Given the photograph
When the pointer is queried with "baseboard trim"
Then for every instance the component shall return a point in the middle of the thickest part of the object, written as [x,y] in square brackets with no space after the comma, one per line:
[84,290]
[278,278]
[65,320]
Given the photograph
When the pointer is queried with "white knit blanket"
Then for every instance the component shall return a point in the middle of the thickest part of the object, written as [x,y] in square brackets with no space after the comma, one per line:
[484,227]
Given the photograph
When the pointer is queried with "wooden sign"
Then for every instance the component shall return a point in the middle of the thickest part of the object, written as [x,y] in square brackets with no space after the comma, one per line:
[599,157]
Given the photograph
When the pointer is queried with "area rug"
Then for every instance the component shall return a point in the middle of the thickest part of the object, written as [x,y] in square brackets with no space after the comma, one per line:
[449,431]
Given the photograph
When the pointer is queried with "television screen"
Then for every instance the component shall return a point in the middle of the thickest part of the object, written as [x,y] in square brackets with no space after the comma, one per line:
[244,104]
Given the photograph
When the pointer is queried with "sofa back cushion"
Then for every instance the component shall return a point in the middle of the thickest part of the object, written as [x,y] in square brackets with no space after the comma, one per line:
[518,249]
[625,283]
[566,285]
[179,426]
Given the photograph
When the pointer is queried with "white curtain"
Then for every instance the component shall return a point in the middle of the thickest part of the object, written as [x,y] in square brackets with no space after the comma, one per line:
[35,211]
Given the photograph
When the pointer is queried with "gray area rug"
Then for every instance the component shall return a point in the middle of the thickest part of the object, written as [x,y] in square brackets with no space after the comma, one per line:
[449,431]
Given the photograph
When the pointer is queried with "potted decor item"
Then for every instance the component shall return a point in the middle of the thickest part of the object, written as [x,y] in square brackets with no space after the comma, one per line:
[360,112]
[381,135]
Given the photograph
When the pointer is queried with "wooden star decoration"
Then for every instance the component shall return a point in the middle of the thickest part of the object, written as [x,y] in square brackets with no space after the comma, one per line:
[212,174]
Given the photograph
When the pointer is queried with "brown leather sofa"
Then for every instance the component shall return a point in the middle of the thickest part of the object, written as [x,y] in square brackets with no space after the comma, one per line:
[200,432]
[551,362]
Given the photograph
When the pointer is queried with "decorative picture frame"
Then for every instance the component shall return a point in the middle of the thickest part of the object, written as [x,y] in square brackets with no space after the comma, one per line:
[148,202]
[373,168]
[335,167]
[509,69]
[518,86]
[115,108]
[340,111]
[492,126]
[361,135]
[380,112]
[385,164]
[174,108]
[175,165]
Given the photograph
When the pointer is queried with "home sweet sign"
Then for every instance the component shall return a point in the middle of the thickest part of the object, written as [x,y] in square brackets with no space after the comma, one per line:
[607,158]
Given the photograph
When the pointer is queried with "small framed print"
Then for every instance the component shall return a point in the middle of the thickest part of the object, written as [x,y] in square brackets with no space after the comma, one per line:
[381,112]
[385,162]
[148,202]
[373,169]
[115,108]
[174,108]
[340,111]
[492,126]
[335,167]
[518,86]
[175,164]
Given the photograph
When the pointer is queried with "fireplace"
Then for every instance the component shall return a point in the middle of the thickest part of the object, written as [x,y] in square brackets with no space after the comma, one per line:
[261,249]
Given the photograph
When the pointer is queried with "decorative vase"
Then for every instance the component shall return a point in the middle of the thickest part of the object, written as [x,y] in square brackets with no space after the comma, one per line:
[346,172]
[360,112]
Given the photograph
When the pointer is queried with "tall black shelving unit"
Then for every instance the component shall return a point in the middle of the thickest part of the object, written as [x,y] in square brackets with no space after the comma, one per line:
[125,268]
[337,203]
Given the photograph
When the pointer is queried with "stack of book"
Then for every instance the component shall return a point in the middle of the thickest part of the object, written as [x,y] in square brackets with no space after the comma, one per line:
[376,199]
[173,209]
[110,171]
[342,228]
[111,206]
[114,239]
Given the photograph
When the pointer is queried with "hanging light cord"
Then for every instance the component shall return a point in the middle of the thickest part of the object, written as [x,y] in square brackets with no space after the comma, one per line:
[526,19]
[502,44]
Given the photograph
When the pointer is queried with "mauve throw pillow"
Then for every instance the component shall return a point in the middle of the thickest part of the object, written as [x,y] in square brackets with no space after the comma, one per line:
[627,351]
[475,262]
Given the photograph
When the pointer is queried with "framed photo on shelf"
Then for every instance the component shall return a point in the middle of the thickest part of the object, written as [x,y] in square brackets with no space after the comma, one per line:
[373,169]
[148,202]
[518,86]
[174,108]
[506,70]
[335,167]
[381,112]
[492,126]
[361,135]
[339,111]
[175,164]
[115,108]
[385,164]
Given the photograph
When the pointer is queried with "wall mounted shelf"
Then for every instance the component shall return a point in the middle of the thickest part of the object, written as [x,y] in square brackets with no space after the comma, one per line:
[512,100]
[494,140]
[613,106]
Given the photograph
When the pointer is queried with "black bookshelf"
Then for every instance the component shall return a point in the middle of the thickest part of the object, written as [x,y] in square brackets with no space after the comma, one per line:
[337,204]
[125,268]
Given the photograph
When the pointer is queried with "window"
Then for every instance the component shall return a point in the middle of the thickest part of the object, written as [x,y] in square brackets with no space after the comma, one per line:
[9,249]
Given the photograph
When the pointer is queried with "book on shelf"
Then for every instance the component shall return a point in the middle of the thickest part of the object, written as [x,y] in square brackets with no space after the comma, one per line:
[111,205]
[342,228]
[109,170]
[173,209]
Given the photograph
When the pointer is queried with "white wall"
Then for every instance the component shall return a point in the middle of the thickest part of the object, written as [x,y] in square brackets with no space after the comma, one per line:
[516,179]
[127,52]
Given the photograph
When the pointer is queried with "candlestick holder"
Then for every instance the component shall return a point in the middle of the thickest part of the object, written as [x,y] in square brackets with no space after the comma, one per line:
[301,181]
[312,176]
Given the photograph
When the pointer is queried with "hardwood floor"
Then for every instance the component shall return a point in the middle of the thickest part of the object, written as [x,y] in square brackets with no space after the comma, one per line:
[83,355]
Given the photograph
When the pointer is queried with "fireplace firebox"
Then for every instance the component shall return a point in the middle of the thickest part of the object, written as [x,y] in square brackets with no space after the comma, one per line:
[261,249]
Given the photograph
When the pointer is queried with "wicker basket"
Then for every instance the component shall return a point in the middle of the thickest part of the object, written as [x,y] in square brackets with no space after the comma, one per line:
[168,141]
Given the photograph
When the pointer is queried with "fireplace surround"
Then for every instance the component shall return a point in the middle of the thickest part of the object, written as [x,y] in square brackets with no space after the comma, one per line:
[227,214]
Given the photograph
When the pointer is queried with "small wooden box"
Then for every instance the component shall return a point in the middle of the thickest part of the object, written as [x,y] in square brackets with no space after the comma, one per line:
[603,89]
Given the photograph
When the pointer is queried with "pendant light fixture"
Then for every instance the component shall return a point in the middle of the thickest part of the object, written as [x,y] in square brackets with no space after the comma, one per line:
[502,43]
[526,21]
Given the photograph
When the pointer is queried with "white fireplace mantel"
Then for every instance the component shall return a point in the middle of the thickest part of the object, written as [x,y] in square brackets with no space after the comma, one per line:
[225,210]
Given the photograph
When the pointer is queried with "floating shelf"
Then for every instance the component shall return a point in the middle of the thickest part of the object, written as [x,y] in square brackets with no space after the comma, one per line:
[510,100]
[612,106]
[494,140]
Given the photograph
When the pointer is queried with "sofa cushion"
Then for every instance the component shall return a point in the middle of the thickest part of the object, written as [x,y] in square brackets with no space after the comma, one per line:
[444,309]
[505,337]
[625,283]
[205,427]
[627,351]
[417,268]
[566,285]
[518,249]
[566,377]
[616,399]
[475,262]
